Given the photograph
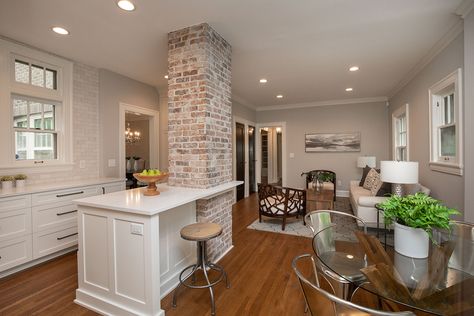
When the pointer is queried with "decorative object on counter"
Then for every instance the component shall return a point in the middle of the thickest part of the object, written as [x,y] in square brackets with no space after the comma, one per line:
[136,164]
[399,173]
[20,180]
[151,177]
[7,182]
[131,137]
[364,161]
[129,164]
[319,142]
[414,217]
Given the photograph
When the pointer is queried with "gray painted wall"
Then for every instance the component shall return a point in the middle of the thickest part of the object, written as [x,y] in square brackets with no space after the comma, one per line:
[114,89]
[447,187]
[244,112]
[369,119]
[469,117]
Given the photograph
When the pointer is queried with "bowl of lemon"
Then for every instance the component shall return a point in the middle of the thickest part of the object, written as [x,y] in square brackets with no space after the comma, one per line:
[151,176]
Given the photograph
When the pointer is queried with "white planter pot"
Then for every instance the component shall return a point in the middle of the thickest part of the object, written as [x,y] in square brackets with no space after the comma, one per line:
[20,183]
[7,185]
[411,242]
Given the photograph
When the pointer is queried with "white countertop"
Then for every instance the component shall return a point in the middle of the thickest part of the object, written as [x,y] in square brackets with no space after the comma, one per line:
[37,188]
[133,201]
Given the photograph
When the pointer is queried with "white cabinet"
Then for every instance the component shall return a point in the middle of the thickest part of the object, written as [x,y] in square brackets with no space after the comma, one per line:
[39,225]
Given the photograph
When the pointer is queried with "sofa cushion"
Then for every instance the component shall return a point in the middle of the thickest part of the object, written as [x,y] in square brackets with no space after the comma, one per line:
[365,171]
[376,184]
[371,178]
[385,189]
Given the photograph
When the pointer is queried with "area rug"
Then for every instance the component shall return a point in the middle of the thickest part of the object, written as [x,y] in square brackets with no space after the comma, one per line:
[294,226]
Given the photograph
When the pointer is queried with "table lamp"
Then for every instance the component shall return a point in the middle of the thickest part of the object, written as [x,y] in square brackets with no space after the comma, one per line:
[399,173]
[363,161]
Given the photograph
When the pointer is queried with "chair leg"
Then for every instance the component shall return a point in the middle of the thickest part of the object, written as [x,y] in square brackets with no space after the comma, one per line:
[284,223]
[259,217]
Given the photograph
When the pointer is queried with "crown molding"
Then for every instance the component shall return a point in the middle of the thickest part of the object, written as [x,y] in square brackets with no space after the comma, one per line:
[243,101]
[432,53]
[321,103]
[465,8]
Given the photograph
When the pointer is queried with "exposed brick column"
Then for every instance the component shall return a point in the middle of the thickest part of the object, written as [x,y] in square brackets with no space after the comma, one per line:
[200,121]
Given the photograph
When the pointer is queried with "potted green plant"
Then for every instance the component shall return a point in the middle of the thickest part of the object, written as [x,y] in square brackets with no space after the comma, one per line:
[20,180]
[7,182]
[414,217]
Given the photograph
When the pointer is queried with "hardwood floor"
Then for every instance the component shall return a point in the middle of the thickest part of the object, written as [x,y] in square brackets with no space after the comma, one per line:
[259,268]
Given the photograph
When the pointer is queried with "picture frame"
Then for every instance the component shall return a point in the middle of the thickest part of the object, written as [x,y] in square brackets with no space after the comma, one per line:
[332,142]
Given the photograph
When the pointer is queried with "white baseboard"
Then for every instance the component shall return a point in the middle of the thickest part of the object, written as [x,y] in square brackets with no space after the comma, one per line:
[342,193]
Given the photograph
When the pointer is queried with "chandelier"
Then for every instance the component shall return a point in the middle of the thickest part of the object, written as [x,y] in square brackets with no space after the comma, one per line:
[131,137]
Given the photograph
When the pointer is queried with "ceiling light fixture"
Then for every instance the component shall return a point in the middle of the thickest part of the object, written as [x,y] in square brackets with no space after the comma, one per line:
[60,30]
[166,76]
[263,80]
[126,5]
[349,89]
[280,96]
[354,68]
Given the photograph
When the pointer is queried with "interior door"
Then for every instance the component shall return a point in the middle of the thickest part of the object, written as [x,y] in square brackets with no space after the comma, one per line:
[240,159]
[252,160]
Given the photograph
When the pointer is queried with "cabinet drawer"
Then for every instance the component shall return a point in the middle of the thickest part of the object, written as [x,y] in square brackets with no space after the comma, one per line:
[50,241]
[15,203]
[62,195]
[49,217]
[113,187]
[14,252]
[15,224]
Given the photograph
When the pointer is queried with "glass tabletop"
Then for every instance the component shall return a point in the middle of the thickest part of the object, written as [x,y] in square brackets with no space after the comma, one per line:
[442,284]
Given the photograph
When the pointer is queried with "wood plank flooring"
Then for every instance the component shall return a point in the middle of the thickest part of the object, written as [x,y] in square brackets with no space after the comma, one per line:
[259,268]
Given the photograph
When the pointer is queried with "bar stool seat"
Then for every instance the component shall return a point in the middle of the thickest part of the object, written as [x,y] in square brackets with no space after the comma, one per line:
[201,233]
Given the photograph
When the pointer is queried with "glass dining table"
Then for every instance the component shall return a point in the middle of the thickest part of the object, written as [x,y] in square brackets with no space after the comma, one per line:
[442,284]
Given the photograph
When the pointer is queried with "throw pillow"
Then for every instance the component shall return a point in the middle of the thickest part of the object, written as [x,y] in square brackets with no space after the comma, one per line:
[376,185]
[365,171]
[372,176]
[385,189]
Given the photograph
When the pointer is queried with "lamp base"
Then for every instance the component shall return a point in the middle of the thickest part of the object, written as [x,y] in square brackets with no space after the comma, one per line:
[398,189]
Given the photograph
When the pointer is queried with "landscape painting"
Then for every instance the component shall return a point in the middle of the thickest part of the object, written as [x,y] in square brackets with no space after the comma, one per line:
[344,142]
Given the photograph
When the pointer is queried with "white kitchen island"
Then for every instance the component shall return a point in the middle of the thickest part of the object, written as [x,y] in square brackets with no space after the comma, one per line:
[130,249]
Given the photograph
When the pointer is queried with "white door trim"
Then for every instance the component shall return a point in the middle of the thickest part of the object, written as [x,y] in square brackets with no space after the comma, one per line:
[258,150]
[153,130]
[246,123]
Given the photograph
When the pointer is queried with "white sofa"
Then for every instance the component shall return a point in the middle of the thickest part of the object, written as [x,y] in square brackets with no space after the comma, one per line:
[363,203]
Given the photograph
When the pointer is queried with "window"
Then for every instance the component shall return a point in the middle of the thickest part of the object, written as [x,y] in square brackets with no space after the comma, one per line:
[33,123]
[36,108]
[400,133]
[445,127]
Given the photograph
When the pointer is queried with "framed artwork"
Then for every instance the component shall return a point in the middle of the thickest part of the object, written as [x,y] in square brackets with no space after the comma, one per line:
[332,142]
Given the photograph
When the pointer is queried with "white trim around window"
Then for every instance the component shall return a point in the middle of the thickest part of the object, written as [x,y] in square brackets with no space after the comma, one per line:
[446,140]
[401,134]
[61,96]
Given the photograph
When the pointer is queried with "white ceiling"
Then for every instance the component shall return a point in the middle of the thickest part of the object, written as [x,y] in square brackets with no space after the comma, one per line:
[302,47]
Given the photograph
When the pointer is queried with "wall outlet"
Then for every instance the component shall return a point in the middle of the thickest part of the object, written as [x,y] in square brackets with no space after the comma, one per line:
[339,183]
[136,229]
[292,155]
[82,164]
[111,162]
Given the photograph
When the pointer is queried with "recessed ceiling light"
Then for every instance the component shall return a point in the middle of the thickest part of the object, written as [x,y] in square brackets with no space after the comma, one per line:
[354,68]
[280,96]
[60,30]
[126,5]
[349,89]
[166,76]
[263,80]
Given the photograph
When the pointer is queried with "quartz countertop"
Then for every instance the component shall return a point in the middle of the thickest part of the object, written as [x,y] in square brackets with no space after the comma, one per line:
[37,188]
[133,201]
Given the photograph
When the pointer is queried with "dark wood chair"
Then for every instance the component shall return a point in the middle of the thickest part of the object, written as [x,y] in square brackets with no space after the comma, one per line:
[327,175]
[281,202]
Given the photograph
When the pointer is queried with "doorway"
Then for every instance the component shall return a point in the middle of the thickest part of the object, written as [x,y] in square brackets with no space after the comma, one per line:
[240,158]
[252,159]
[271,153]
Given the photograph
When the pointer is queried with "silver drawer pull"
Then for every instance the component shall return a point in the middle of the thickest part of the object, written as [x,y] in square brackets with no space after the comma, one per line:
[68,194]
[61,238]
[64,213]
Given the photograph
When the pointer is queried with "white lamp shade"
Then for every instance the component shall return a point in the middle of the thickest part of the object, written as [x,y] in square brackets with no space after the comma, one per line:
[402,172]
[363,161]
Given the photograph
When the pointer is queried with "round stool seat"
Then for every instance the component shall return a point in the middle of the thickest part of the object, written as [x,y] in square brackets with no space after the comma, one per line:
[201,231]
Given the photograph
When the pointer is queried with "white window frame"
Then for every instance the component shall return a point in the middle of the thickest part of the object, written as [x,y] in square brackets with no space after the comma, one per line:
[451,164]
[396,115]
[10,51]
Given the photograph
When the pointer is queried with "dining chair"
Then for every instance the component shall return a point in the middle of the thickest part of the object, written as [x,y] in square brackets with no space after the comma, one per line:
[327,227]
[462,257]
[322,302]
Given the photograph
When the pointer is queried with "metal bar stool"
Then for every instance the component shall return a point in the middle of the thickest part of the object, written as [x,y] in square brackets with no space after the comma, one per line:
[201,233]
